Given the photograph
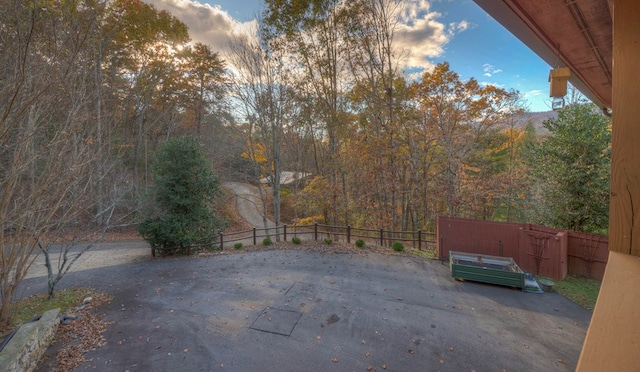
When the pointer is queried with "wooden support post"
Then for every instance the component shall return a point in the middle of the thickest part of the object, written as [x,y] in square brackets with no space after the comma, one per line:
[285,231]
[419,240]
[382,237]
[315,231]
[221,241]
[624,205]
[611,342]
[254,236]
[348,234]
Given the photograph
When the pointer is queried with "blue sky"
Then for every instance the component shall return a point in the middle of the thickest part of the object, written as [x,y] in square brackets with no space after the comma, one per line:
[455,31]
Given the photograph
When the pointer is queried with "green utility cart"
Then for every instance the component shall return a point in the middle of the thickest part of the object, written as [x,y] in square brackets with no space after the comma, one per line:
[486,269]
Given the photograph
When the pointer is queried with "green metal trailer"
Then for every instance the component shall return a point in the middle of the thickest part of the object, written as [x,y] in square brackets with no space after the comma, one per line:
[486,269]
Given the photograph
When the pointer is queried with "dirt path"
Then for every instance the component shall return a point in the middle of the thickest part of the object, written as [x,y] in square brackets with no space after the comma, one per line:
[101,255]
[249,204]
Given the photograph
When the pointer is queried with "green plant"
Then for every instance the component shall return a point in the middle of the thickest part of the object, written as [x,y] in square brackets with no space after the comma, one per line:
[237,246]
[28,307]
[328,241]
[267,241]
[176,214]
[580,290]
[360,243]
[296,240]
[397,246]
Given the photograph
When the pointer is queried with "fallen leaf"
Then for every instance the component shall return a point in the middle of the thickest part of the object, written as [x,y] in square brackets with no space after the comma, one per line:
[560,361]
[451,348]
[318,337]
[384,366]
[370,368]
[335,360]
[411,351]
[366,353]
[441,361]
[186,350]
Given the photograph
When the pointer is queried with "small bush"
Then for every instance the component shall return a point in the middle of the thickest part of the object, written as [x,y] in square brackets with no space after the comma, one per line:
[328,241]
[267,241]
[360,243]
[296,240]
[397,246]
[237,246]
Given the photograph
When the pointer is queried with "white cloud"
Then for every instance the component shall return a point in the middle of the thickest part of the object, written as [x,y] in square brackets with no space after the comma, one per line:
[458,27]
[490,70]
[533,93]
[420,35]
[413,9]
[207,24]
[487,83]
[422,40]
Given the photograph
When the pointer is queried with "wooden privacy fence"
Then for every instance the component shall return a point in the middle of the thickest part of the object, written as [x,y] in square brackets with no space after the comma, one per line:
[536,249]
[417,239]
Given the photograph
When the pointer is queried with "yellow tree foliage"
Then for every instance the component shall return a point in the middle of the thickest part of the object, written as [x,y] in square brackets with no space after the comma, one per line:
[256,152]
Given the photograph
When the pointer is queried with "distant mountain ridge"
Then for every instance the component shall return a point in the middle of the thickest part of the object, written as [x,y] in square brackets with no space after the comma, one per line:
[536,118]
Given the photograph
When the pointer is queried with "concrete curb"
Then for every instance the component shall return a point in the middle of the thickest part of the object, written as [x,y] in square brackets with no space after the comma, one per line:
[27,346]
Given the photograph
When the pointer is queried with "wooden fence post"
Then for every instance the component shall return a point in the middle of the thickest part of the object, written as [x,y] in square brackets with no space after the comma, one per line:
[284,228]
[315,231]
[221,241]
[348,233]
[382,237]
[254,236]
[419,240]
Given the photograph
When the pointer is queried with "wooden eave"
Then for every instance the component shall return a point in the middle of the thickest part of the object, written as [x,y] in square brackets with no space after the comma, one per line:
[565,33]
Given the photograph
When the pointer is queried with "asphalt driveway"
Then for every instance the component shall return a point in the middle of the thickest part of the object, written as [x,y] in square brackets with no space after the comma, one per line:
[289,310]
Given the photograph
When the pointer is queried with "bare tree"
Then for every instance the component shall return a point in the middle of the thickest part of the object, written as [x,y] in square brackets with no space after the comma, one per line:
[266,101]
[47,146]
[312,34]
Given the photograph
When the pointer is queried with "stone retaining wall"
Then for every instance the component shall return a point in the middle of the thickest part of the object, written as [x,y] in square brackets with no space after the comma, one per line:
[30,342]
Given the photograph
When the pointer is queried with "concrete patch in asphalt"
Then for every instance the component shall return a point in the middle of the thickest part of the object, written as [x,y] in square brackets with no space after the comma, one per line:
[276,321]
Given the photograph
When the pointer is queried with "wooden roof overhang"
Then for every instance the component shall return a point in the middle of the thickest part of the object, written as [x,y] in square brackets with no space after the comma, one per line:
[572,33]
